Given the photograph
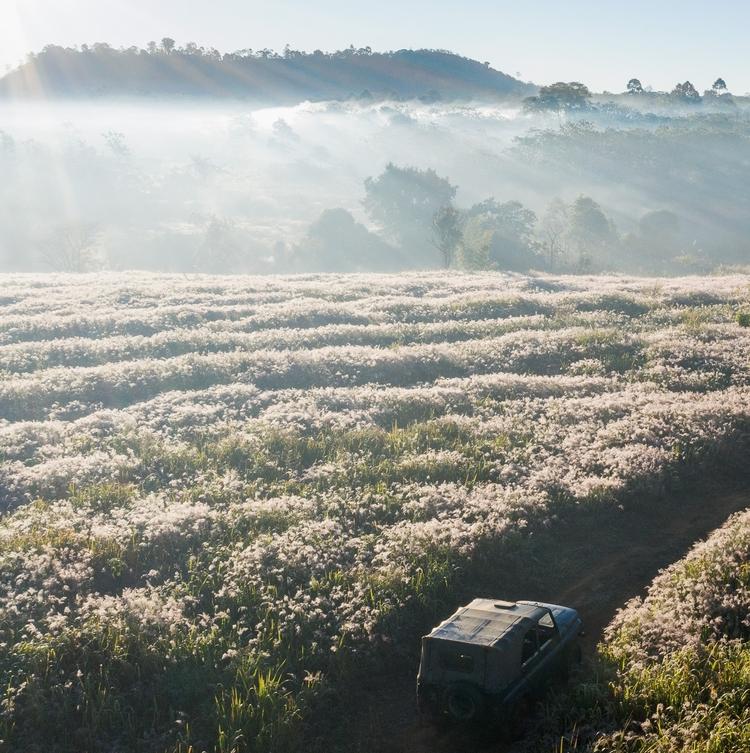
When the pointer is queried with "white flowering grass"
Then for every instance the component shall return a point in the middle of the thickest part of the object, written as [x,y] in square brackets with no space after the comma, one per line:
[673,672]
[220,494]
[682,656]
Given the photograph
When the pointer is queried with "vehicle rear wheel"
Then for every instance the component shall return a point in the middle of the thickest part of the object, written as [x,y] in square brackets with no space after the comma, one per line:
[464,703]
[518,717]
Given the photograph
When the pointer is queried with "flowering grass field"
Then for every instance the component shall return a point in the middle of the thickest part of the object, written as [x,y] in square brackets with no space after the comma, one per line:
[683,653]
[221,497]
[674,667]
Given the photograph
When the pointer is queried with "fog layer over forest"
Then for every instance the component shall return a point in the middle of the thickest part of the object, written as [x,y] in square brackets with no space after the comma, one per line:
[629,184]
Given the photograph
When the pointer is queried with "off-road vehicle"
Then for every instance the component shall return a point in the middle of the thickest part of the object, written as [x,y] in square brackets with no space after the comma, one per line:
[490,657]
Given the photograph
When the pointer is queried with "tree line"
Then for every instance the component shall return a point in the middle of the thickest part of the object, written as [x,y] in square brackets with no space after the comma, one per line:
[415,223]
[165,68]
[573,95]
[418,224]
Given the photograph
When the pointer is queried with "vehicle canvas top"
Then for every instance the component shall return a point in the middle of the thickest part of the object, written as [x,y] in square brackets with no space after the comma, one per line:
[484,622]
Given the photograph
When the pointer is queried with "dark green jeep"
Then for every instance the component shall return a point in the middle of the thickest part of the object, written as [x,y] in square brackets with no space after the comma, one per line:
[491,656]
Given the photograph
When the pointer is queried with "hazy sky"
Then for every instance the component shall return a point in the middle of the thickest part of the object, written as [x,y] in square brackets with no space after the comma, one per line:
[600,42]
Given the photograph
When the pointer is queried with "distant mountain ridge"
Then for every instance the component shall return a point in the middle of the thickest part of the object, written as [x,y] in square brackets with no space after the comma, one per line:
[101,70]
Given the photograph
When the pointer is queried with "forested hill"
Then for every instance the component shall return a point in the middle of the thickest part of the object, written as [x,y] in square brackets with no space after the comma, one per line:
[167,70]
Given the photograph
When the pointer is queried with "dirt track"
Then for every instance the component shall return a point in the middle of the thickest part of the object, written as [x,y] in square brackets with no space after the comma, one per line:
[598,576]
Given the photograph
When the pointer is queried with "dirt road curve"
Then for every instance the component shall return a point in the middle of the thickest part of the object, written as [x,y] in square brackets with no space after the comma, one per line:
[600,574]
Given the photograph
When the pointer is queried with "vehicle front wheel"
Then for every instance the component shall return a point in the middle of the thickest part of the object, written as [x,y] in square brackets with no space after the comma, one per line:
[464,703]
[572,660]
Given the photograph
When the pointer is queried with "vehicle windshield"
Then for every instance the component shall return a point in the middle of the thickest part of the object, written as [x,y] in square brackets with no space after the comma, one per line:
[538,638]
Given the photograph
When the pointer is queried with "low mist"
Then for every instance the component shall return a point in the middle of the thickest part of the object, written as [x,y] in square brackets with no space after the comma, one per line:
[372,185]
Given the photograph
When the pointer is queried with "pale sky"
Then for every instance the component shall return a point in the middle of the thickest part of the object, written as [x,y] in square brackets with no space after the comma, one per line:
[599,42]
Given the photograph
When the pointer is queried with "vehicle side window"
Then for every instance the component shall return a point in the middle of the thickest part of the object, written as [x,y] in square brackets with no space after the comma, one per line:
[545,629]
[454,661]
[530,645]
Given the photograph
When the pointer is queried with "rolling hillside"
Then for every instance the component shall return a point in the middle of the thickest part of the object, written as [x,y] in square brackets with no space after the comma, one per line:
[222,498]
[295,76]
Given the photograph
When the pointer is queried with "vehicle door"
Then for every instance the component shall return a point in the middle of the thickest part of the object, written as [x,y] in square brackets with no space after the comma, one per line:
[539,651]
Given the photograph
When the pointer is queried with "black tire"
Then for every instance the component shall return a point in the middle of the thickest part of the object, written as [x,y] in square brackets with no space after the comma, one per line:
[577,655]
[464,703]
[571,662]
[513,718]
[517,719]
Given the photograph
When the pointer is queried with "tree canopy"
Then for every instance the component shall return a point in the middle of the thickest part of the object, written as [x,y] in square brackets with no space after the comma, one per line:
[686,91]
[635,86]
[168,69]
[561,96]
[403,202]
[336,242]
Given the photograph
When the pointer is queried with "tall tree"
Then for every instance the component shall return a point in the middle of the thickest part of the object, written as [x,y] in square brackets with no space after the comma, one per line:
[510,226]
[635,86]
[590,231]
[221,248]
[552,232]
[336,242]
[446,233]
[474,249]
[560,96]
[686,91]
[403,201]
[72,248]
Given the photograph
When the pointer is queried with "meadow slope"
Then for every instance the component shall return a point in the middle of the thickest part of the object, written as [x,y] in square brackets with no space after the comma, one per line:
[223,497]
[682,653]
[673,672]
